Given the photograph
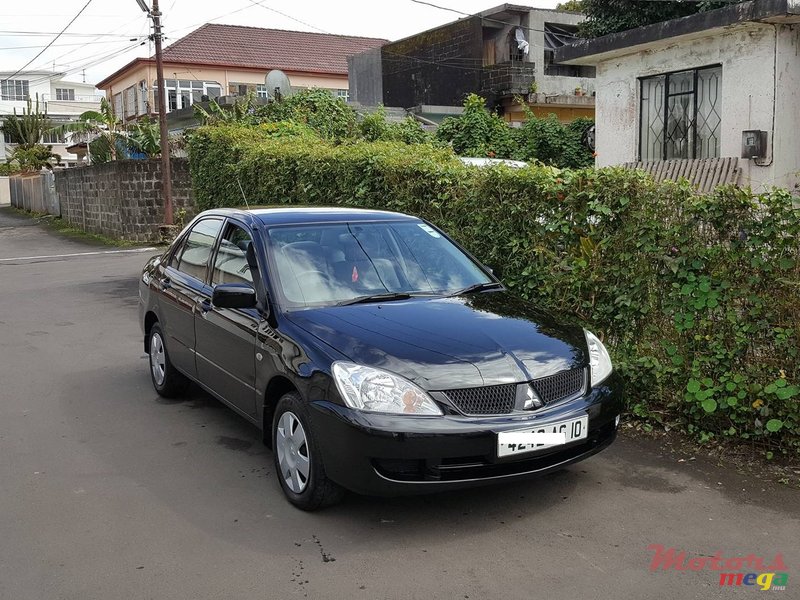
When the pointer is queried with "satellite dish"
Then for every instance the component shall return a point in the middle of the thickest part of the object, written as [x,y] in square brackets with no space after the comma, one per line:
[278,86]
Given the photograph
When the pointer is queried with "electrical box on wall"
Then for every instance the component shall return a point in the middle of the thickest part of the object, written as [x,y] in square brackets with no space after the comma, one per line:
[754,143]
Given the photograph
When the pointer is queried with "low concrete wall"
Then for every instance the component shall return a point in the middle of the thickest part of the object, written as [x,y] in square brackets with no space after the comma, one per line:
[35,192]
[5,191]
[123,199]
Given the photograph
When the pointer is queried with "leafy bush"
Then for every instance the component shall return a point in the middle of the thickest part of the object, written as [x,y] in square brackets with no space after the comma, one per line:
[477,132]
[698,297]
[329,116]
[374,127]
[550,141]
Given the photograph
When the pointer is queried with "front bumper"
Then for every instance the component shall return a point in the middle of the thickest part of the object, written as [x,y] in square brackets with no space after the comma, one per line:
[389,455]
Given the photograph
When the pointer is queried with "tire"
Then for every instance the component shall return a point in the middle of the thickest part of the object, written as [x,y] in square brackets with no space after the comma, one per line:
[298,460]
[167,381]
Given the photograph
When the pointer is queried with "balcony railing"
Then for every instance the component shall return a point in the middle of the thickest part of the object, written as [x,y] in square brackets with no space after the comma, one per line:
[82,98]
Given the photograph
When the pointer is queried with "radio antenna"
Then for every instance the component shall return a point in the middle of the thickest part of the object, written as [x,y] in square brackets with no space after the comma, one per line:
[243,196]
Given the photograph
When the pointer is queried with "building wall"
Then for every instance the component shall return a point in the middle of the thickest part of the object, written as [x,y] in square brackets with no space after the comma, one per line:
[441,66]
[366,77]
[147,72]
[755,58]
[122,199]
[553,84]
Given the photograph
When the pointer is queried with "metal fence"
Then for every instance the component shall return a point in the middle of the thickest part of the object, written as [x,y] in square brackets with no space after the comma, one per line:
[35,192]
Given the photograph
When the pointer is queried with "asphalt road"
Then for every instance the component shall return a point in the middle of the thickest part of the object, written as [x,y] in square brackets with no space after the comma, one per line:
[107,491]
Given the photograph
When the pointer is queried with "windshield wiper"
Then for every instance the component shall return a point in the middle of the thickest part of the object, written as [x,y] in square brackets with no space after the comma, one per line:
[376,298]
[477,287]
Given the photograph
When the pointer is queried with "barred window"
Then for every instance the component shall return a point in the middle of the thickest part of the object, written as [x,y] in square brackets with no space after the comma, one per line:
[680,114]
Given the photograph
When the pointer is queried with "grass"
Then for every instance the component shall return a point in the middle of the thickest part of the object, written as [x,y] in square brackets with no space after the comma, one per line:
[67,229]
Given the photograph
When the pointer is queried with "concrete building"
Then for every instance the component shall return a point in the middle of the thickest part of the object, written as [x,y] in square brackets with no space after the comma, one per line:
[231,60]
[500,53]
[723,83]
[63,101]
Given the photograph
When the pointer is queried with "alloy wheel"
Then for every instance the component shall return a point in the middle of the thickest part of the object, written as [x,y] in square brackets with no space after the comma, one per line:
[293,456]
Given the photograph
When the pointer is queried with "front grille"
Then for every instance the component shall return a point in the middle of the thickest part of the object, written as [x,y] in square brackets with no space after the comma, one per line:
[501,399]
[561,385]
[490,400]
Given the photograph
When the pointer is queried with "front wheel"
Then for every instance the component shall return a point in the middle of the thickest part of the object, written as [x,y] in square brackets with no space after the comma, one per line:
[298,462]
[167,381]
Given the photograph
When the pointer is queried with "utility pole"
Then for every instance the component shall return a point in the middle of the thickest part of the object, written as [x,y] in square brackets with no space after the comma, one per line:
[166,170]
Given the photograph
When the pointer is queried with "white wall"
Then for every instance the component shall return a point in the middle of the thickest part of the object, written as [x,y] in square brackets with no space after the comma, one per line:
[747,54]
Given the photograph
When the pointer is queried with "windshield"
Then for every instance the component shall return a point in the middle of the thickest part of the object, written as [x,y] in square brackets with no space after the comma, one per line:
[323,264]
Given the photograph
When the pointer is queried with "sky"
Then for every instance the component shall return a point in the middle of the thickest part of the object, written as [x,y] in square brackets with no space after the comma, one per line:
[109,33]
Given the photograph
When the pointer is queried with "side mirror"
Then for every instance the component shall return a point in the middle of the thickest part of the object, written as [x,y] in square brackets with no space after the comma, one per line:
[494,271]
[234,295]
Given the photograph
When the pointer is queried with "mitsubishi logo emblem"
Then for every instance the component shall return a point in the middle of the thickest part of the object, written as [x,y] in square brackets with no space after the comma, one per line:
[532,400]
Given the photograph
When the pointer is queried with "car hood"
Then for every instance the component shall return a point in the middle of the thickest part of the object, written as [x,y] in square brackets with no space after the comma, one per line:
[442,343]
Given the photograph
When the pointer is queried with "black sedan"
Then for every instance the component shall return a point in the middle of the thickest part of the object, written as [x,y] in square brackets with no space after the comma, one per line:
[375,354]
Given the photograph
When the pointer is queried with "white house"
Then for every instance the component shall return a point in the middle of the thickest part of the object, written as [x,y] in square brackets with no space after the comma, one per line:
[63,100]
[723,83]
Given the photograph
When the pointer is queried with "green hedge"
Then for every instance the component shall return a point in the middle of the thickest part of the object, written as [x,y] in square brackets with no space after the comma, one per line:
[697,296]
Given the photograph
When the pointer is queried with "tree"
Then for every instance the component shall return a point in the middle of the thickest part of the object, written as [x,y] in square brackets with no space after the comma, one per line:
[571,5]
[144,136]
[105,125]
[609,16]
[26,131]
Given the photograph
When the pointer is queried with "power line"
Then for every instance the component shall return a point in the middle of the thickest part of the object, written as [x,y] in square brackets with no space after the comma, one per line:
[81,44]
[488,19]
[283,14]
[80,12]
[91,62]
[248,6]
[62,34]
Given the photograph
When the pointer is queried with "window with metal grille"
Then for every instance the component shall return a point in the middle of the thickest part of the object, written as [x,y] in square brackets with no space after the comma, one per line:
[680,114]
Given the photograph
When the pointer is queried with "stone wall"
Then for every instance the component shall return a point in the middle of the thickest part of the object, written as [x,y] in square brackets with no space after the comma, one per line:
[122,199]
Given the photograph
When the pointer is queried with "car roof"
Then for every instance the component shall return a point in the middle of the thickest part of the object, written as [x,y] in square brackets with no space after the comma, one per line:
[300,215]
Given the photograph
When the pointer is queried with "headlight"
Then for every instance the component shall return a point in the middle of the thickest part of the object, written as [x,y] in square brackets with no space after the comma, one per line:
[599,360]
[375,390]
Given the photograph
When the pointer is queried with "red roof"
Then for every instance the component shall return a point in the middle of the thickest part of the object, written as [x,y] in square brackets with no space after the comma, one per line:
[253,47]
[263,49]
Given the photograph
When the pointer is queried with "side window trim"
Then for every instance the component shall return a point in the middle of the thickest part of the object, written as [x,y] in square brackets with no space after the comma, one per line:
[228,223]
[204,283]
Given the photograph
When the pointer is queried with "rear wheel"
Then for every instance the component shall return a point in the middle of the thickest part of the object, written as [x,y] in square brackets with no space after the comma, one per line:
[167,381]
[298,462]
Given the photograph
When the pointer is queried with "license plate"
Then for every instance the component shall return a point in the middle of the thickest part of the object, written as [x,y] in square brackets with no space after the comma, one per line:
[542,437]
